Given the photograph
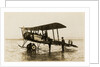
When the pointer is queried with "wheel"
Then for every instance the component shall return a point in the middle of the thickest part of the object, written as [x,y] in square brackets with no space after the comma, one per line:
[33,47]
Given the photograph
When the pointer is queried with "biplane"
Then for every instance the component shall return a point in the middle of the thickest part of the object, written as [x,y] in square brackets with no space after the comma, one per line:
[33,34]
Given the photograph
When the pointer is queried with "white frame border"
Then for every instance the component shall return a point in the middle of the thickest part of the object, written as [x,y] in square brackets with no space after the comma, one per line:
[87,27]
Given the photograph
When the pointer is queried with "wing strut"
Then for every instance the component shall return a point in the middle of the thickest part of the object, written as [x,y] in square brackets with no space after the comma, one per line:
[53,34]
[58,34]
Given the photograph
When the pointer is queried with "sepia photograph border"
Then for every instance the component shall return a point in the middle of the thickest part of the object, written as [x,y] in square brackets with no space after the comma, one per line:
[87,27]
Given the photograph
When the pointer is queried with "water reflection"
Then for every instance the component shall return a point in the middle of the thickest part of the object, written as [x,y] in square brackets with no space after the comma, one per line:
[52,56]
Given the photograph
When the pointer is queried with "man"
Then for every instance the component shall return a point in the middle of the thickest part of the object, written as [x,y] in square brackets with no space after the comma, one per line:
[29,47]
[50,42]
[63,43]
[46,35]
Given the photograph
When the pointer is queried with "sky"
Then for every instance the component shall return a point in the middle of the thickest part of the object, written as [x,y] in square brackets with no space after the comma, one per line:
[74,21]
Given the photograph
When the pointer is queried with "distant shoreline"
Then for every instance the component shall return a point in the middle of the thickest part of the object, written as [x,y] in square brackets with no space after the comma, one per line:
[14,39]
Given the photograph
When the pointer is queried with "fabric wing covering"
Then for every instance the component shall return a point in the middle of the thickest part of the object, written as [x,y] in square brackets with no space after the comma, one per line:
[46,27]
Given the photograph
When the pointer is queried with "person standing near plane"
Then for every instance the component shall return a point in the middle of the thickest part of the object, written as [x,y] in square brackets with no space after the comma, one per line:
[50,42]
[46,35]
[63,43]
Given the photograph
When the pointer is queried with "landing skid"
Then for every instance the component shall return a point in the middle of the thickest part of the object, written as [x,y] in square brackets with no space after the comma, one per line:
[23,44]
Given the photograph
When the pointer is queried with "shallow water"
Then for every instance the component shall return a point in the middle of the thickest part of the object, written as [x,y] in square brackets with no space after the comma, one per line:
[13,53]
